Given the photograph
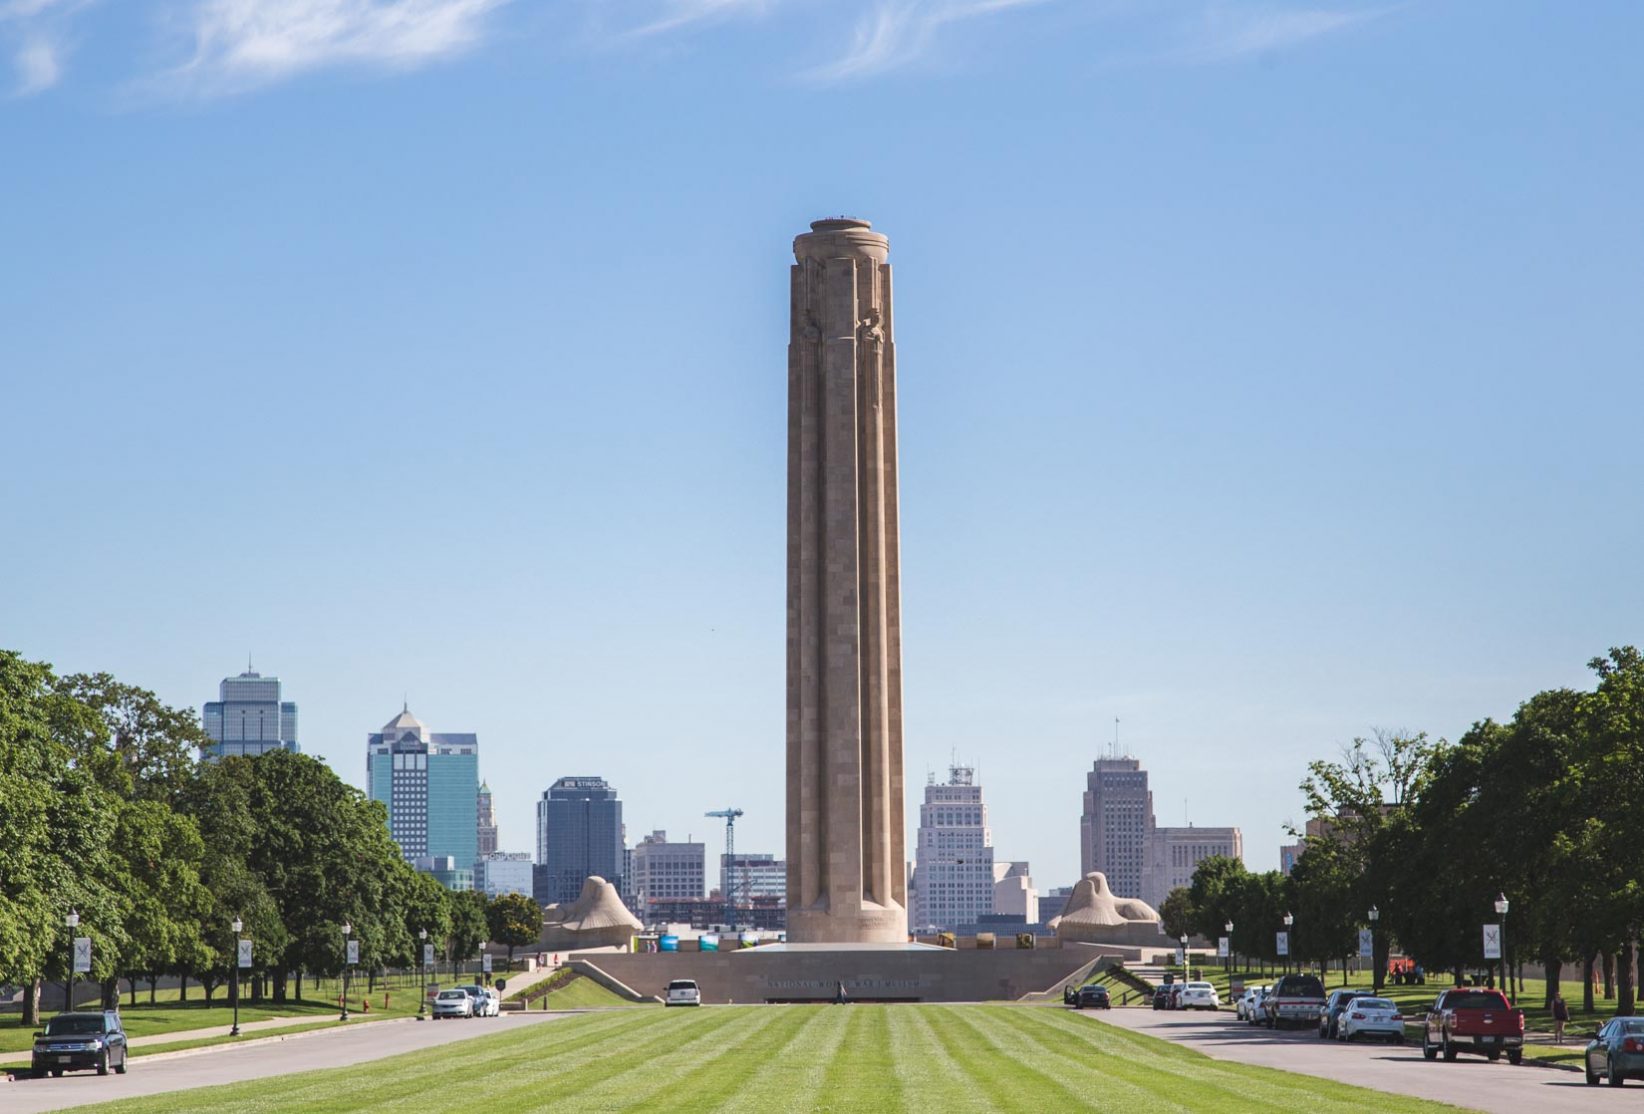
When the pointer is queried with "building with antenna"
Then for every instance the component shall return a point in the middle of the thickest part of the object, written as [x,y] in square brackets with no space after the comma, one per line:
[953,857]
[1113,829]
[248,718]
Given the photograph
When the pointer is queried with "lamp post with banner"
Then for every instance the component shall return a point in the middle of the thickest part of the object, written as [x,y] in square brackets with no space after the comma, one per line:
[351,951]
[1289,939]
[425,955]
[1377,971]
[1227,947]
[1501,911]
[72,922]
[242,958]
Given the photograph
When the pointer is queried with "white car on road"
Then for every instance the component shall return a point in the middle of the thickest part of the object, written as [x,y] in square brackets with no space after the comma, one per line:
[1246,1005]
[453,1003]
[487,1003]
[683,992]
[1199,996]
[1370,1018]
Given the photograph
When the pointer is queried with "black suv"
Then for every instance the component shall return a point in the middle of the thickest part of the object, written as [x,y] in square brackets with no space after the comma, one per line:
[79,1042]
[1092,997]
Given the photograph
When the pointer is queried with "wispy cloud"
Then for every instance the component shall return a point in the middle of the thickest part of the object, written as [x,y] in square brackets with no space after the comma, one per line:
[897,32]
[1224,33]
[242,43]
[38,68]
[684,13]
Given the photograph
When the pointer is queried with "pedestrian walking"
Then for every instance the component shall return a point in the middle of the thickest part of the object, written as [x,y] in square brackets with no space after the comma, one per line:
[1561,1014]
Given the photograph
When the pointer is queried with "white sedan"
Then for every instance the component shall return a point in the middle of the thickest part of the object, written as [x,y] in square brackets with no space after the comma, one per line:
[1199,996]
[1371,1018]
[453,1003]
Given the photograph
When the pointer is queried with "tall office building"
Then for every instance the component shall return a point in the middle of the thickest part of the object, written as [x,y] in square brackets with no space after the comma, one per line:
[430,783]
[1113,830]
[579,833]
[504,872]
[752,876]
[487,833]
[1173,854]
[953,859]
[664,871]
[1013,892]
[248,718]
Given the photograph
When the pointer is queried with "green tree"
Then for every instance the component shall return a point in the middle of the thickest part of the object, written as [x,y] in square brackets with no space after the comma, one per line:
[1177,913]
[469,929]
[514,921]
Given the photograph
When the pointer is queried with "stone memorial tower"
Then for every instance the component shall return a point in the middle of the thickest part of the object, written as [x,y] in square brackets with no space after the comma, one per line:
[847,880]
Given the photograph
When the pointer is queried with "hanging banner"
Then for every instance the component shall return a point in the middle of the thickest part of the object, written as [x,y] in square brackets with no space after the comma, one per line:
[1221,947]
[485,963]
[82,955]
[708,942]
[428,955]
[1282,944]
[245,954]
[1367,944]
[353,952]
[1492,941]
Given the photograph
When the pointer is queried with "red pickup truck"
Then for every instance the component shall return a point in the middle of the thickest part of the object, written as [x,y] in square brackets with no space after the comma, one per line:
[1472,1020]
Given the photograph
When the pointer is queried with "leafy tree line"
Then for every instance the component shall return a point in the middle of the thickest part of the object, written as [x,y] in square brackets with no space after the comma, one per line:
[1546,809]
[105,810]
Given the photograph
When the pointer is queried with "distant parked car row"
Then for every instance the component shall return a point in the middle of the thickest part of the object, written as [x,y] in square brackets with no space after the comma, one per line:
[1186,996]
[467,1001]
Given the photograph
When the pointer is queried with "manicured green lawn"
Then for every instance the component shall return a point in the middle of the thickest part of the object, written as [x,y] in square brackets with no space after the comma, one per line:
[754,1059]
[581,994]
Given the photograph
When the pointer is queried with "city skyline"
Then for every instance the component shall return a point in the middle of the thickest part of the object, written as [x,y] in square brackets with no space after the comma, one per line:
[1262,382]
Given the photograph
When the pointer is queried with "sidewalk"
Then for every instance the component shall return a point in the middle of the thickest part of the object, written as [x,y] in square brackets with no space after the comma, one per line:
[222,1030]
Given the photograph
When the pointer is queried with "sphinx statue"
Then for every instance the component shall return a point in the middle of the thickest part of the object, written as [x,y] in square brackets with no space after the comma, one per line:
[596,919]
[1093,915]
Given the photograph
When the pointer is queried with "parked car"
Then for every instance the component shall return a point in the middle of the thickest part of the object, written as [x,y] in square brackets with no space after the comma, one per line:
[1253,1012]
[488,1004]
[1199,996]
[1093,996]
[1294,1000]
[1468,1019]
[1161,998]
[454,1002]
[683,992]
[1366,1018]
[1175,1000]
[80,1042]
[1616,1051]
[1245,1007]
[1330,1013]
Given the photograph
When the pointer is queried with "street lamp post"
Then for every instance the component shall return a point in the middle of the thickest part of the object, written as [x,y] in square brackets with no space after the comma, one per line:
[1290,939]
[234,984]
[347,930]
[1186,974]
[1227,960]
[73,922]
[1375,963]
[422,965]
[1501,911]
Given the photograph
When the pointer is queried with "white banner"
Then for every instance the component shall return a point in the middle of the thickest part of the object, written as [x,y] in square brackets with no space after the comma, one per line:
[1221,947]
[1492,941]
[1367,944]
[1282,946]
[245,953]
[353,951]
[428,955]
[485,962]
[82,955]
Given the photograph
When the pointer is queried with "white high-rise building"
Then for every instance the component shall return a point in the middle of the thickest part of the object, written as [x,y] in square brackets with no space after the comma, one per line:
[953,858]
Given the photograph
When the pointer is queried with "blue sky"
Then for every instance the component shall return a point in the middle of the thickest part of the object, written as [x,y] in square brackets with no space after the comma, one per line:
[1269,373]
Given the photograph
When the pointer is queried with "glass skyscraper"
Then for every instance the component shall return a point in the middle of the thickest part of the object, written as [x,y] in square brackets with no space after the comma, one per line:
[430,783]
[248,718]
[579,834]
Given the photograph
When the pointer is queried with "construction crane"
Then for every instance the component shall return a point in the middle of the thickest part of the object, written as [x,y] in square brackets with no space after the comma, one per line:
[729,815]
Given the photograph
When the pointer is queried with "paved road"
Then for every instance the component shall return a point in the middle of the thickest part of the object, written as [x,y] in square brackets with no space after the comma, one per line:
[1471,1081]
[325,1048]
